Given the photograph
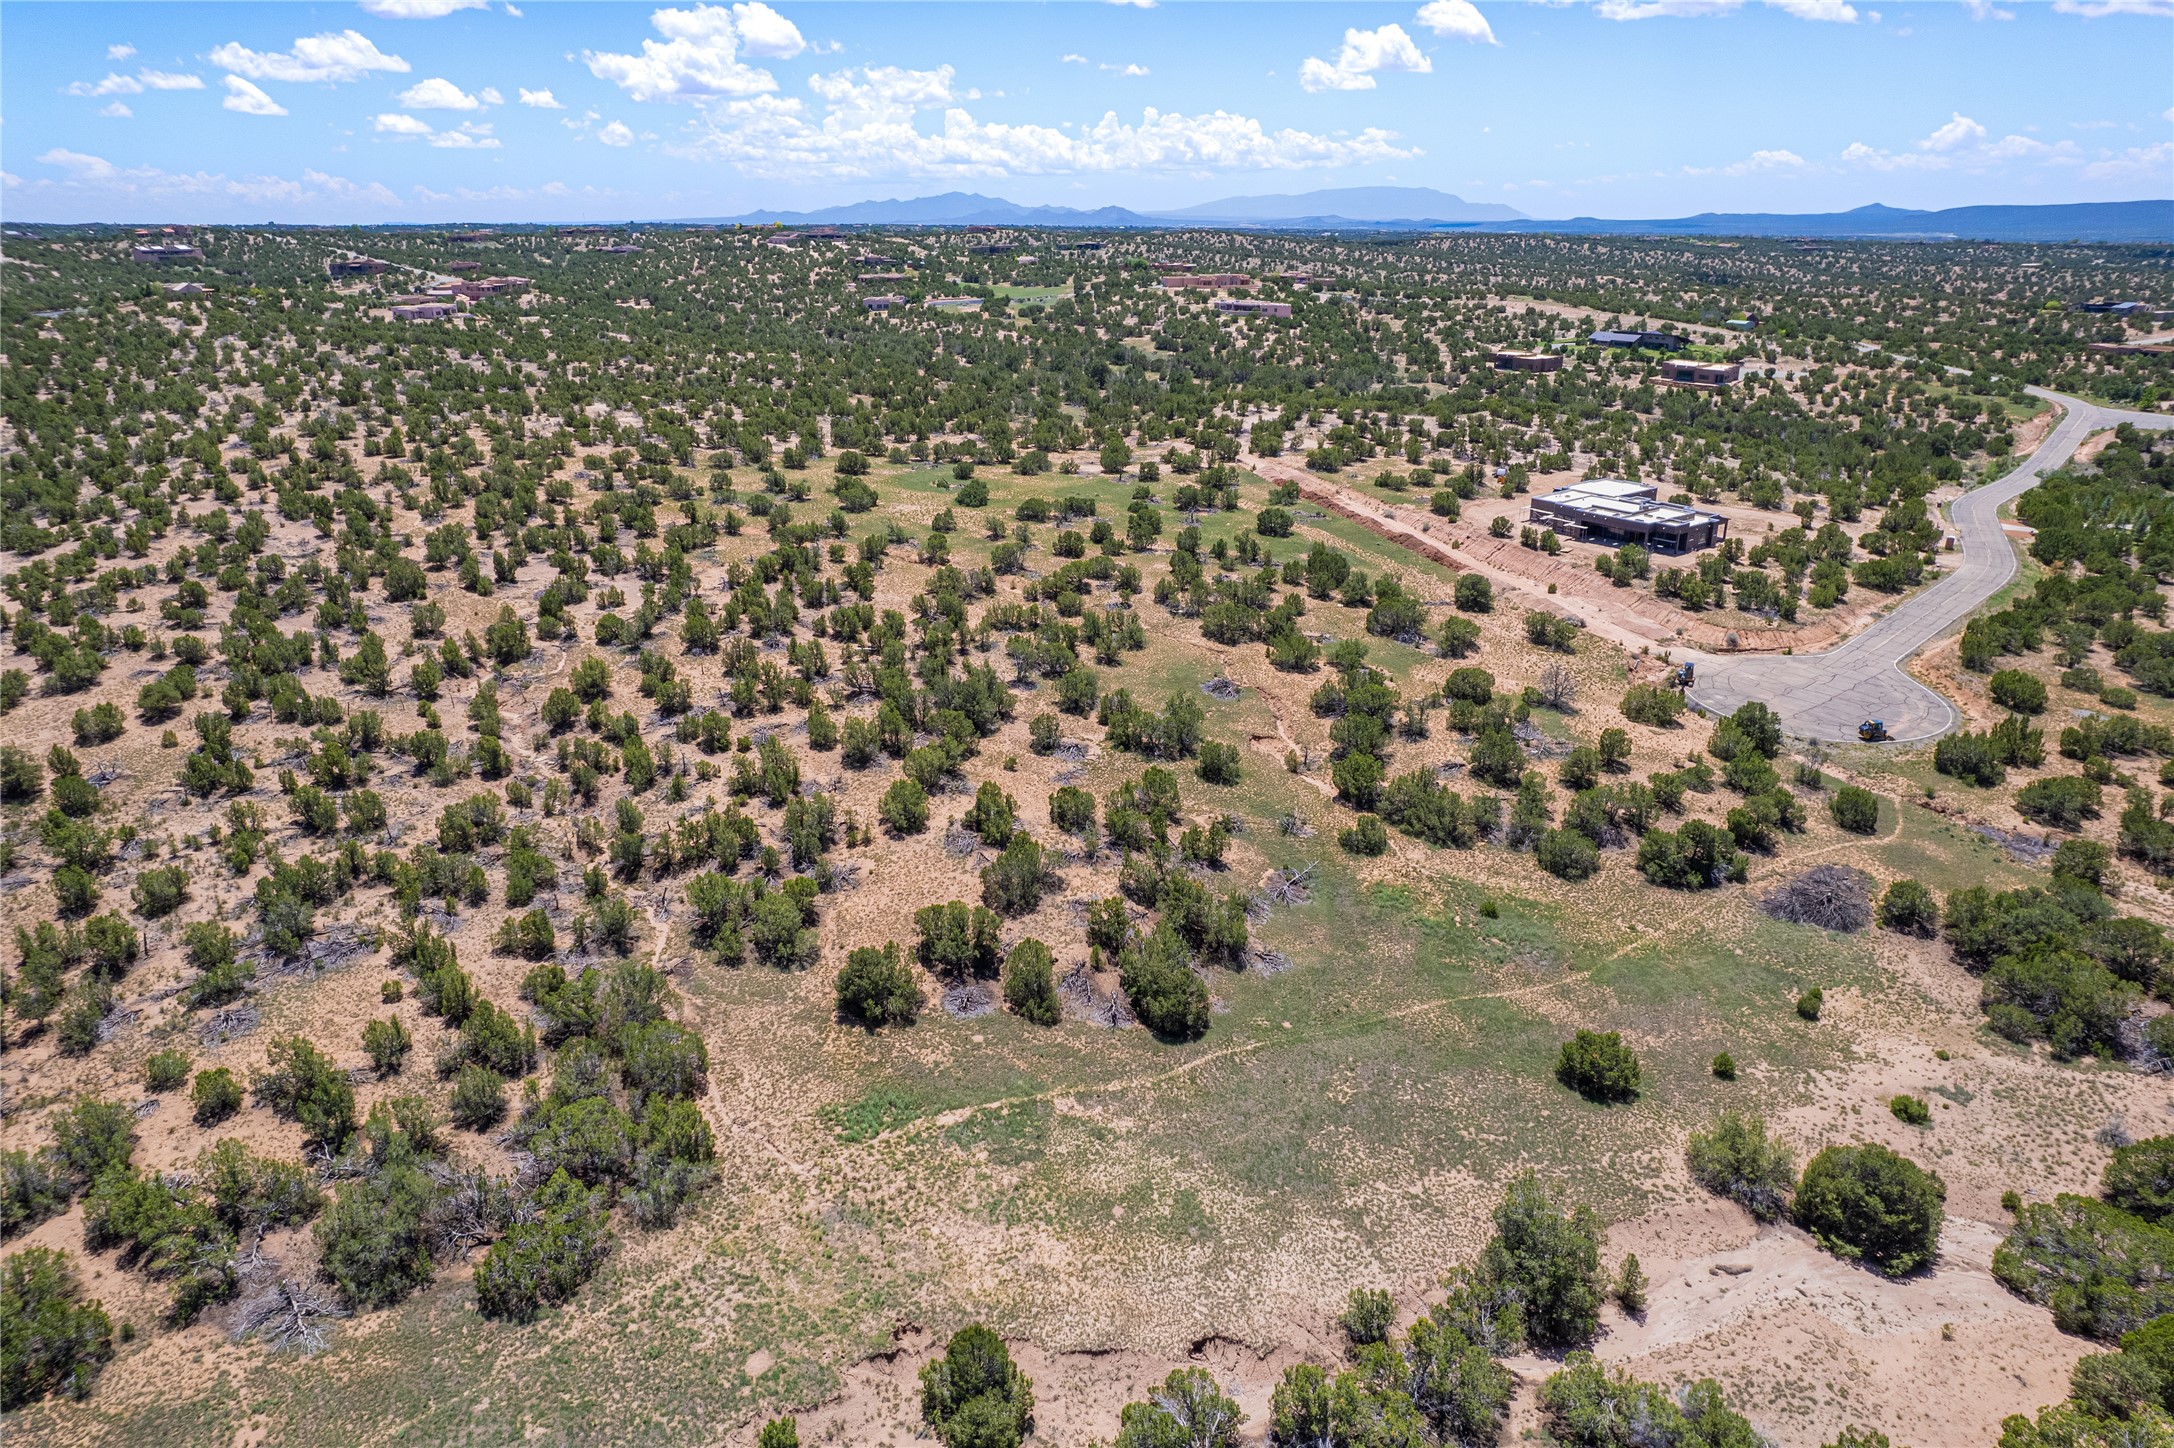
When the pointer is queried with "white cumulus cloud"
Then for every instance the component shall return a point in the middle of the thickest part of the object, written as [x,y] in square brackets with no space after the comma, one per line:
[79,165]
[167,80]
[1072,58]
[418,9]
[2140,163]
[1959,131]
[1458,18]
[121,51]
[766,33]
[542,100]
[438,94]
[249,98]
[2100,9]
[616,134]
[871,132]
[491,96]
[1364,53]
[392,123]
[469,137]
[112,85]
[884,91]
[92,181]
[1833,11]
[344,55]
[699,57]
[117,110]
[1961,144]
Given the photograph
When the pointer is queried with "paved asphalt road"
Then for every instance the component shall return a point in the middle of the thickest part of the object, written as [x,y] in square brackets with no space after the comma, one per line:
[1827,695]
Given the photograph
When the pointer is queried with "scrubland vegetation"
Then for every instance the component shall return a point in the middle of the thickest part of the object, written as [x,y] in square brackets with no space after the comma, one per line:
[673,826]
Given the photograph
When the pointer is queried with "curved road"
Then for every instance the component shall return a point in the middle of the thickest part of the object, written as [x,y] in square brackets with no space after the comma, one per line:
[1827,695]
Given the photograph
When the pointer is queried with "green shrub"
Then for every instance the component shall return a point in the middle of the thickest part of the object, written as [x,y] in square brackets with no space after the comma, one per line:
[1188,1409]
[1869,1204]
[1724,1067]
[1369,1314]
[1909,908]
[543,1262]
[373,1240]
[1165,994]
[1012,884]
[904,808]
[1811,1003]
[2062,802]
[1738,1160]
[1543,1264]
[2067,998]
[1855,810]
[479,1098]
[301,1083]
[1366,837]
[52,1339]
[33,1186]
[1699,856]
[166,1070]
[386,1042]
[2140,1178]
[1911,1110]
[92,1137]
[2017,691]
[1030,985]
[1599,1067]
[161,892]
[1568,854]
[974,1396]
[215,1096]
[877,988]
[2102,1271]
[957,940]
[1653,705]
[1586,1406]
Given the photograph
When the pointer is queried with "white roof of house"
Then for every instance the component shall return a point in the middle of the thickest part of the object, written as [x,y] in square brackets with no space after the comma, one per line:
[1596,488]
[1624,501]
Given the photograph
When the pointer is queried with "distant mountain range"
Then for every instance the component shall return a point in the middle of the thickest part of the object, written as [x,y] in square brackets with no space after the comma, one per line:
[2141,221]
[1411,208]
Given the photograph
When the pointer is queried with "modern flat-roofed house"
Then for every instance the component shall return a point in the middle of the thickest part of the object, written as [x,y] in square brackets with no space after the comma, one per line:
[1249,307]
[1613,512]
[354,266]
[1665,341]
[169,251]
[882,304]
[1527,361]
[1712,376]
[955,304]
[1209,282]
[429,311]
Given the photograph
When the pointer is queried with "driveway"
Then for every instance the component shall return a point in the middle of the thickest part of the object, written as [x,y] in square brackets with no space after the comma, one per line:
[1827,695]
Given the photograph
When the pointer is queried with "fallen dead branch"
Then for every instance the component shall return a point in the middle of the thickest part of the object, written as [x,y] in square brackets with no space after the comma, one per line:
[1831,897]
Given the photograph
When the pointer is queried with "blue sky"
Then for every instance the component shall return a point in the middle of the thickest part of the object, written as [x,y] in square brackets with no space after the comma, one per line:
[422,110]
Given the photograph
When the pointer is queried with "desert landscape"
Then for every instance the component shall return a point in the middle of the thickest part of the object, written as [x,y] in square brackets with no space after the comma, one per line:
[664,857]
